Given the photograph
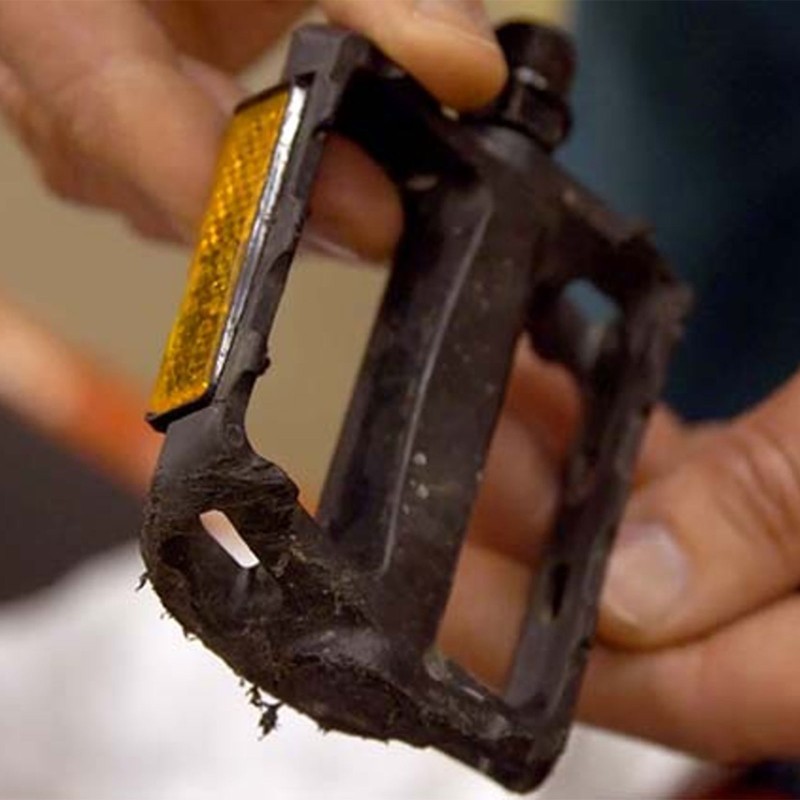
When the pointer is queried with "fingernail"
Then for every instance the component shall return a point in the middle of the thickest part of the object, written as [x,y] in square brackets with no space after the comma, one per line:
[647,576]
[463,16]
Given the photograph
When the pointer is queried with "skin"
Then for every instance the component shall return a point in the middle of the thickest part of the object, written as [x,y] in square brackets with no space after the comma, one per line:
[714,671]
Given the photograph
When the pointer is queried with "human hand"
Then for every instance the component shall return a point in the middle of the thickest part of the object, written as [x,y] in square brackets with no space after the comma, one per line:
[698,646]
[704,584]
[122,104]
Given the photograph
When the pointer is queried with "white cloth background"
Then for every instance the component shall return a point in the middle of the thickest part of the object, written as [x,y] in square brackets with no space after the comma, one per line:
[102,698]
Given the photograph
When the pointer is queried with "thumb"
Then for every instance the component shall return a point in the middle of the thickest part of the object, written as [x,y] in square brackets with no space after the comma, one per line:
[716,537]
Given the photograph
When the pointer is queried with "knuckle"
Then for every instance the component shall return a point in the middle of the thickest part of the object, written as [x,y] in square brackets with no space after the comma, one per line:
[95,111]
[83,110]
[762,468]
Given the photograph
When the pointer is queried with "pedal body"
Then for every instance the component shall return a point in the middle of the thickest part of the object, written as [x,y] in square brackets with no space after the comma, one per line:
[339,617]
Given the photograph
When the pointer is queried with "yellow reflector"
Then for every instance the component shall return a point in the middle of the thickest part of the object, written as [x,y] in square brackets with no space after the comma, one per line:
[188,368]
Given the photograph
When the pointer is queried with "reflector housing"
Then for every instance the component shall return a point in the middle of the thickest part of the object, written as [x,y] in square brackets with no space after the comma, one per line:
[195,351]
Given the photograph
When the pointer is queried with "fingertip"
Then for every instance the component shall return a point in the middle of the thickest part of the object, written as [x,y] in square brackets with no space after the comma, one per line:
[447,45]
[457,61]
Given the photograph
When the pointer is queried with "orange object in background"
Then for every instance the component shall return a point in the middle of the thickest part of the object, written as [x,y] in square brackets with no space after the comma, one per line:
[73,400]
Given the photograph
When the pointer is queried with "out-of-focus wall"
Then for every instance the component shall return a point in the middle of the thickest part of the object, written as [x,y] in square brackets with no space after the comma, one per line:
[90,279]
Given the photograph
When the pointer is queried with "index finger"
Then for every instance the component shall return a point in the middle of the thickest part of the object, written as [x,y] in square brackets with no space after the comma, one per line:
[117,91]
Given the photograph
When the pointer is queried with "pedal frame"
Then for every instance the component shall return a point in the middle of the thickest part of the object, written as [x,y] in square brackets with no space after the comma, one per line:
[339,617]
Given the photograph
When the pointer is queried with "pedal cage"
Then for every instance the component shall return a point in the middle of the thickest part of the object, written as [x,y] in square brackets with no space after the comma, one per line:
[340,615]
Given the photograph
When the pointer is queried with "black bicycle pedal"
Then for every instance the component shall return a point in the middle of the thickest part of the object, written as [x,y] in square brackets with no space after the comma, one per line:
[339,616]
